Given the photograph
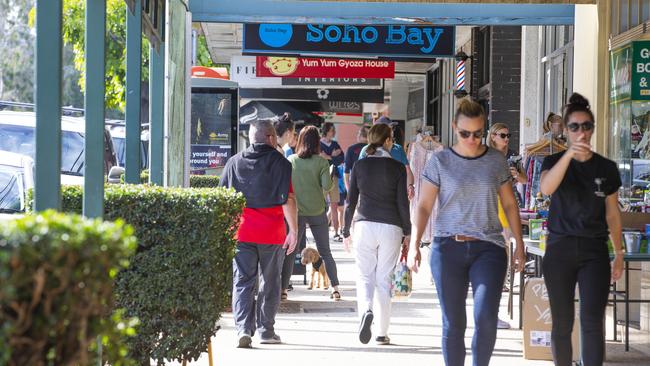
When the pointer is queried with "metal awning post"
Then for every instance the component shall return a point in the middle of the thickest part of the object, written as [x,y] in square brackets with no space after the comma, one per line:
[47,96]
[133,92]
[156,105]
[93,201]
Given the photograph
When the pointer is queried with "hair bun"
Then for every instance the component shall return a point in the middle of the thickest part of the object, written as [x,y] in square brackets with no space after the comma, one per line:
[579,100]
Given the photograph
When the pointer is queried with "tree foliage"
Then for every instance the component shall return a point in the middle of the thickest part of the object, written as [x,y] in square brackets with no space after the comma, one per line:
[16,52]
[74,27]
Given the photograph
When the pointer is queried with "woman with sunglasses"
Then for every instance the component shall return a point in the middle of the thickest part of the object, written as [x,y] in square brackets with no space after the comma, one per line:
[468,247]
[584,212]
[499,139]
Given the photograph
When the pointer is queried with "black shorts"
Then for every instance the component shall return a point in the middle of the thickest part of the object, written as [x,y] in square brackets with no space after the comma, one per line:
[343,195]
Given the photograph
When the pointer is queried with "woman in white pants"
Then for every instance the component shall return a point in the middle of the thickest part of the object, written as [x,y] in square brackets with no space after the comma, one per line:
[382,223]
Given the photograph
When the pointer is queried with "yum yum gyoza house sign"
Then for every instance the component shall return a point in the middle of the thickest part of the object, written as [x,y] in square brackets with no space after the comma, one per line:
[397,42]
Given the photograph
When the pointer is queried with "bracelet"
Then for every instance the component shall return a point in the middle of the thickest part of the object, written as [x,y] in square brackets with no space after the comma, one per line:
[412,185]
[620,251]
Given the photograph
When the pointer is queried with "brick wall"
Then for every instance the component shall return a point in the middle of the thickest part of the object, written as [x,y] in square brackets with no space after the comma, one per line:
[505,79]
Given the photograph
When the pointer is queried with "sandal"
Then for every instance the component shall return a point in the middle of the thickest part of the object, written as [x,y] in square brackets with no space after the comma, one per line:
[335,295]
[283,296]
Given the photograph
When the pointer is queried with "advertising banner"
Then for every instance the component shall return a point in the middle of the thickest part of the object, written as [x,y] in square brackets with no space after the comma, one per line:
[323,68]
[641,70]
[391,42]
[345,82]
[621,74]
[243,71]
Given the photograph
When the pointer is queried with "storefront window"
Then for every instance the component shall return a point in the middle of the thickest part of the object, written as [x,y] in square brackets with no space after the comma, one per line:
[630,132]
[557,65]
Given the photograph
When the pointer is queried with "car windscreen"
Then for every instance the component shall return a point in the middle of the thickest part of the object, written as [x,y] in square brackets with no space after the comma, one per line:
[10,192]
[20,139]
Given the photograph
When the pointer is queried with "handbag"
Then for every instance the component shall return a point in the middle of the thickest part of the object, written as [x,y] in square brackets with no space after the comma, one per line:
[401,284]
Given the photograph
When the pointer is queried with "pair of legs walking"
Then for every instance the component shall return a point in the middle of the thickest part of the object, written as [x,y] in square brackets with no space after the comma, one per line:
[585,261]
[377,251]
[251,312]
[320,231]
[455,266]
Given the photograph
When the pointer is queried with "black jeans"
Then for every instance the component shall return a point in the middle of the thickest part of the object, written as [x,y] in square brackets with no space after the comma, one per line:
[289,261]
[585,261]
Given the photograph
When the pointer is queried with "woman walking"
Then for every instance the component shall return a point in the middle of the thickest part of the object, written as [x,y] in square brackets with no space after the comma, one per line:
[310,177]
[468,248]
[584,212]
[381,221]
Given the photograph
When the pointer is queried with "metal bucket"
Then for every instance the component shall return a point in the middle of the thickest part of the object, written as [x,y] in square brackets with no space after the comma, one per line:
[632,241]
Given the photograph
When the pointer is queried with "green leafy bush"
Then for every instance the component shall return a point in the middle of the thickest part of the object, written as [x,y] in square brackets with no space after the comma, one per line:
[204,181]
[57,275]
[196,181]
[179,282]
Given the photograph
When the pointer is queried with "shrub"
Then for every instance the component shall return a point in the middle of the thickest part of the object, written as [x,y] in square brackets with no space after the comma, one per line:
[196,181]
[179,282]
[204,181]
[57,273]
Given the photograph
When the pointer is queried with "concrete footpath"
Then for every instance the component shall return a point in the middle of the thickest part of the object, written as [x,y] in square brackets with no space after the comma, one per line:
[318,331]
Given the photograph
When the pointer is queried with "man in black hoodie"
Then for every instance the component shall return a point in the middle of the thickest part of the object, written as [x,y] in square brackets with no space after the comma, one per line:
[263,176]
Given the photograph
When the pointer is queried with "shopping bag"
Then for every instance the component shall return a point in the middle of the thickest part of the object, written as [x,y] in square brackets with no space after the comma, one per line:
[402,280]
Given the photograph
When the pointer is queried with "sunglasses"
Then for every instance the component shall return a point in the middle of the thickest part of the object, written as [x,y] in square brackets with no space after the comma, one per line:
[585,126]
[503,135]
[466,134]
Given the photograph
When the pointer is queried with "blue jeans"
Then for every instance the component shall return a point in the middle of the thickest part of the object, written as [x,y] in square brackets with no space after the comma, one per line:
[454,266]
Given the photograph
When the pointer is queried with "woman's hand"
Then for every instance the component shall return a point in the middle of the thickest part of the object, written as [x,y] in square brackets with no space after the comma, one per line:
[410,191]
[517,175]
[579,148]
[414,257]
[327,157]
[337,152]
[347,243]
[617,267]
[519,258]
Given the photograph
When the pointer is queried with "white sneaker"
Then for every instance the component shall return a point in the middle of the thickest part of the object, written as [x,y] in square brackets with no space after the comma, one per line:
[273,340]
[501,324]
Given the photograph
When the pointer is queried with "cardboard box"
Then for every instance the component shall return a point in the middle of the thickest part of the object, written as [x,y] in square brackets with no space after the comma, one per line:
[537,323]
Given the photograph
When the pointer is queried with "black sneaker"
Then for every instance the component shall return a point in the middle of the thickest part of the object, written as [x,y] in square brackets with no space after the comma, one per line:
[382,340]
[364,328]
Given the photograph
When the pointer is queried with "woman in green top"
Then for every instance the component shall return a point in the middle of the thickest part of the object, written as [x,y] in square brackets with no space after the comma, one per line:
[311,176]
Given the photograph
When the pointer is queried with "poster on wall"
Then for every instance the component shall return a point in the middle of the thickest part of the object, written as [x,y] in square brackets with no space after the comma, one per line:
[620,74]
[211,126]
[641,70]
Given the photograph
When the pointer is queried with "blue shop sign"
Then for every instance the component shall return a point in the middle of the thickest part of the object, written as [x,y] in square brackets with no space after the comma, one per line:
[396,42]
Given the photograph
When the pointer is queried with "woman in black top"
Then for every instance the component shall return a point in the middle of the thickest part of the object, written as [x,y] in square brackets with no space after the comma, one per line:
[381,222]
[584,211]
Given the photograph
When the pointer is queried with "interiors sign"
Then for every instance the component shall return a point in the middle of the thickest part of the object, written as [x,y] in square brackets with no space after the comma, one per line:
[386,41]
[641,70]
[293,67]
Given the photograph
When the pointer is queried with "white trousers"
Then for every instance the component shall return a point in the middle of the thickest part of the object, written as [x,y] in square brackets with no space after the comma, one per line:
[377,252]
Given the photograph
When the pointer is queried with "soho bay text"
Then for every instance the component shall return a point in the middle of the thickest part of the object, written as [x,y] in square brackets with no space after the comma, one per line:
[396,34]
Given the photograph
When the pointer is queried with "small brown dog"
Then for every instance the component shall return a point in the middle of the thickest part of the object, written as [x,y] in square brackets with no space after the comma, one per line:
[311,256]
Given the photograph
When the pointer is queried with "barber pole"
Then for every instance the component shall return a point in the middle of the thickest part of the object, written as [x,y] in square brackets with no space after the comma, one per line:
[460,91]
[460,75]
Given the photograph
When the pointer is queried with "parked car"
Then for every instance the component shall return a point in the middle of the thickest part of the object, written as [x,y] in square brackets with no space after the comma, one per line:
[118,135]
[16,178]
[17,134]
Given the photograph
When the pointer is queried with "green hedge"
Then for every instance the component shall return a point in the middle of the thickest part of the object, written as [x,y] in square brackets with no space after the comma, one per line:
[179,282]
[57,276]
[196,181]
[204,181]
